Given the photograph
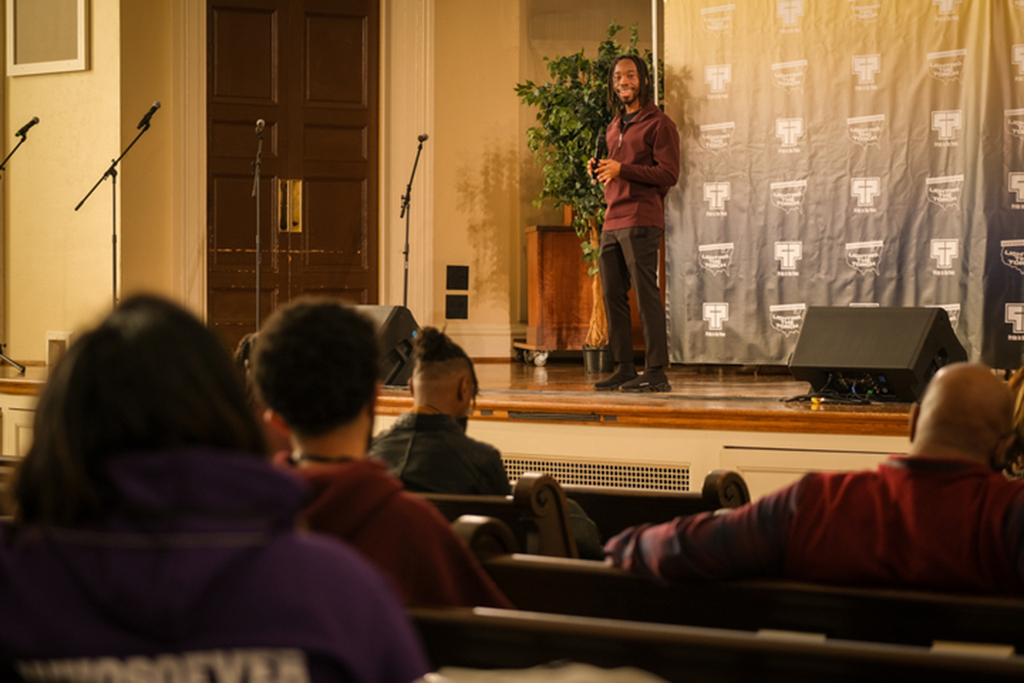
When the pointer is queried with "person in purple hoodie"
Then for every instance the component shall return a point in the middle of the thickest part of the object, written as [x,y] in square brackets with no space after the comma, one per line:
[151,539]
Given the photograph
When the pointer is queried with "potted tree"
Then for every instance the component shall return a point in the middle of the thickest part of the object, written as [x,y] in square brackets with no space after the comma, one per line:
[572,116]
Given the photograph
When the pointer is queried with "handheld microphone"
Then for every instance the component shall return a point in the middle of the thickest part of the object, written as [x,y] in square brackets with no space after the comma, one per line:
[422,138]
[260,123]
[601,143]
[148,116]
[24,129]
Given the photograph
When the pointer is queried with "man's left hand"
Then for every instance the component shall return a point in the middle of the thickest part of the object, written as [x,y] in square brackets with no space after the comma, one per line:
[608,169]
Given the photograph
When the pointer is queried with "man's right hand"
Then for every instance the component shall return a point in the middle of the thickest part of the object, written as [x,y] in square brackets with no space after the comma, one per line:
[591,166]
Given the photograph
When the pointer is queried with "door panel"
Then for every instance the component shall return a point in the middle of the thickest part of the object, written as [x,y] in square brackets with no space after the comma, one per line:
[309,69]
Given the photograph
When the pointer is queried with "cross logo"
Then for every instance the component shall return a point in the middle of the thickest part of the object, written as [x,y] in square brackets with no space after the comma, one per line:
[866,66]
[944,251]
[865,190]
[1018,58]
[946,123]
[1014,316]
[717,194]
[946,6]
[789,11]
[1017,186]
[717,76]
[715,315]
[789,131]
[788,253]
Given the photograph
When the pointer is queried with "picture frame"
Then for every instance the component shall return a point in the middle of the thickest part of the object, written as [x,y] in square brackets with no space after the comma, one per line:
[46,36]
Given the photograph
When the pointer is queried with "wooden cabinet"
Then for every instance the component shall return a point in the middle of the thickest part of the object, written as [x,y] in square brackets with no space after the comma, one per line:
[559,291]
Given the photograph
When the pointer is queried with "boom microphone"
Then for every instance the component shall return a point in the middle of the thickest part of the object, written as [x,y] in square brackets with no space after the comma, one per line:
[24,129]
[422,138]
[148,116]
[260,123]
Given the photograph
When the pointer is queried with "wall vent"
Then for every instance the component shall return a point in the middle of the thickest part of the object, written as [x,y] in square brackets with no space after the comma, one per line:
[646,477]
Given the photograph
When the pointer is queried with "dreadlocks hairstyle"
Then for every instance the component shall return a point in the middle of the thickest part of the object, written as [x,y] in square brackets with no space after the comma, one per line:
[1015,458]
[646,93]
[434,351]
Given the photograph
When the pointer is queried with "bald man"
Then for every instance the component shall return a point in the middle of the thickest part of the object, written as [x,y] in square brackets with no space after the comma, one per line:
[942,517]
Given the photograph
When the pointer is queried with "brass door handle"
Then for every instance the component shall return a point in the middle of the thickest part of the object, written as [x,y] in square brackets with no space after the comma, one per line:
[289,205]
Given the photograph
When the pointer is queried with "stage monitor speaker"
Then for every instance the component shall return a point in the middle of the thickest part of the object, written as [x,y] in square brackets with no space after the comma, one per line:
[874,353]
[396,330]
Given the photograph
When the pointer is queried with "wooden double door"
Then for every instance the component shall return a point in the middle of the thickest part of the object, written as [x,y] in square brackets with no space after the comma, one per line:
[309,69]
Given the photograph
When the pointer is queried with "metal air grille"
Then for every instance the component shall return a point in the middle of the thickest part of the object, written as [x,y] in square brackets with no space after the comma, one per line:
[630,476]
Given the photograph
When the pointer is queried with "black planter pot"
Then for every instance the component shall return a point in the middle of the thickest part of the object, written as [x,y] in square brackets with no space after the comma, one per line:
[597,359]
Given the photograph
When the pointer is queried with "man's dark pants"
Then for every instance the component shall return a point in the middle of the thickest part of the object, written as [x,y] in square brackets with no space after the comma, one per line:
[631,254]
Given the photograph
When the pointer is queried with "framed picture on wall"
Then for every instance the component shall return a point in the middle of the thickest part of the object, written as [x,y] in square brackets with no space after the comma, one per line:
[46,36]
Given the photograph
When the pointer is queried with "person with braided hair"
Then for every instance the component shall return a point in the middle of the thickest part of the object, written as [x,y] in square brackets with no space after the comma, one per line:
[427,448]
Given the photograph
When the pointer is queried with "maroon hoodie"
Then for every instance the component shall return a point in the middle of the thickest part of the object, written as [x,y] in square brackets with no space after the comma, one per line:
[648,149]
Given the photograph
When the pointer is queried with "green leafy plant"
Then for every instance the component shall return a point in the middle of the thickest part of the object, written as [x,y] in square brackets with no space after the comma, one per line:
[572,116]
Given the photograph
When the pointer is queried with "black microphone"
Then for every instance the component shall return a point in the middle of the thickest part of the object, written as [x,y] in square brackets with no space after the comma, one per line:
[148,116]
[422,138]
[24,129]
[260,123]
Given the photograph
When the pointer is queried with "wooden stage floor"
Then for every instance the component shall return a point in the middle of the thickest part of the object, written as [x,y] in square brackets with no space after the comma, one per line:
[702,397]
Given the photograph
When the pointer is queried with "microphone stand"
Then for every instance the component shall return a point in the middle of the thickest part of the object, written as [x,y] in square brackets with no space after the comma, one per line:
[3,166]
[112,174]
[257,165]
[405,212]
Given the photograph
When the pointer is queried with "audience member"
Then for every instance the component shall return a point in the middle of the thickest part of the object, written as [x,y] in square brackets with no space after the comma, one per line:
[942,518]
[315,367]
[1015,459]
[428,449]
[153,540]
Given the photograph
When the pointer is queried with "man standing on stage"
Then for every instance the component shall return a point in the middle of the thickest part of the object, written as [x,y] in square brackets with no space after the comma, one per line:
[642,165]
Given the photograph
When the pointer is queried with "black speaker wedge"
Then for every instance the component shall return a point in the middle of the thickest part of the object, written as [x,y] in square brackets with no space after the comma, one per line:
[396,331]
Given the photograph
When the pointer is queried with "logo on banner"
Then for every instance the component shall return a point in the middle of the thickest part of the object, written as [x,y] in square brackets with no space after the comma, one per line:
[867,10]
[715,258]
[947,9]
[1016,185]
[790,76]
[718,20]
[946,66]
[944,252]
[790,12]
[789,196]
[1011,253]
[865,68]
[953,311]
[715,315]
[945,191]
[716,136]
[1018,59]
[718,76]
[789,254]
[864,256]
[787,318]
[716,195]
[1015,122]
[865,130]
[946,124]
[790,132]
[866,190]
[1015,317]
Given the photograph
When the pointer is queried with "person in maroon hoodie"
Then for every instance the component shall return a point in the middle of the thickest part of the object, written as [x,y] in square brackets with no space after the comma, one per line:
[642,165]
[315,368]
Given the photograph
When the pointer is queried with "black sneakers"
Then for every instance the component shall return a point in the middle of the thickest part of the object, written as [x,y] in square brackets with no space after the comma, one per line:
[652,380]
[622,376]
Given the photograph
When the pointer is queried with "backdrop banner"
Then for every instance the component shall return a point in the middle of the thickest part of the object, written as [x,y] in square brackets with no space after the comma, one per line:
[844,152]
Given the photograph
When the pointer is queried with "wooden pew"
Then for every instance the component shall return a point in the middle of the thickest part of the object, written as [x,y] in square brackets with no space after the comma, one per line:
[594,589]
[537,513]
[615,509]
[489,639]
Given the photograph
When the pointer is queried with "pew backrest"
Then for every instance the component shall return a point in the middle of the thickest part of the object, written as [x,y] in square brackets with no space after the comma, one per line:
[489,639]
[537,513]
[906,617]
[614,509]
